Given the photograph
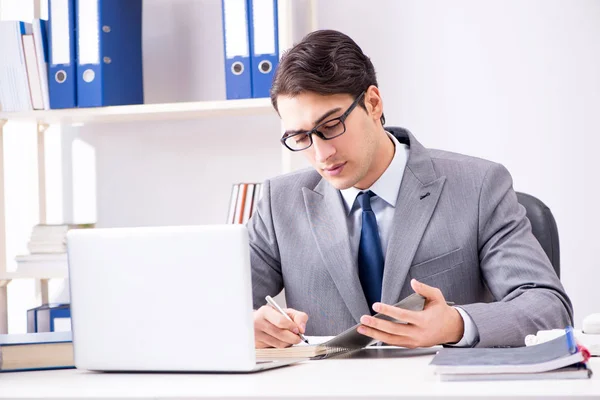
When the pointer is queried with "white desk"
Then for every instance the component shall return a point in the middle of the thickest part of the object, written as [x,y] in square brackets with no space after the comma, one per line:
[403,378]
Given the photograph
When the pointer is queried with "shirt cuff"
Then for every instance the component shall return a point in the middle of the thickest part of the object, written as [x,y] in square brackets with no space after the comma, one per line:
[470,334]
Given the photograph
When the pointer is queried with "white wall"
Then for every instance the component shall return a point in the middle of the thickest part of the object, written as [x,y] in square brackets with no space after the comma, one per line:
[509,80]
[178,173]
[514,81]
[183,51]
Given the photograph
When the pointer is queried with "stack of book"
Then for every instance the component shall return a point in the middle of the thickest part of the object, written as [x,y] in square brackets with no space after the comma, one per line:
[560,358]
[47,246]
[243,201]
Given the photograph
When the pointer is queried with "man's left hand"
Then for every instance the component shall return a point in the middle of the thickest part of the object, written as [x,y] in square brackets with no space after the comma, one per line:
[438,323]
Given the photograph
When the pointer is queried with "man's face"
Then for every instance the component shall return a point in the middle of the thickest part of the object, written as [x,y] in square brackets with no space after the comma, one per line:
[343,161]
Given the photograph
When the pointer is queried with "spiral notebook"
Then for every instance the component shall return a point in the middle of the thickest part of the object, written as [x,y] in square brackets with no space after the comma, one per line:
[346,341]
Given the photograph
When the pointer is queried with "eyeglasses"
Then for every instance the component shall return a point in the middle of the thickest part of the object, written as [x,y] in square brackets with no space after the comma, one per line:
[327,130]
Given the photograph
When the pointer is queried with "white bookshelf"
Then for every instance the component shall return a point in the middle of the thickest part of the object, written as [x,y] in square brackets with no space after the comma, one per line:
[290,28]
[117,114]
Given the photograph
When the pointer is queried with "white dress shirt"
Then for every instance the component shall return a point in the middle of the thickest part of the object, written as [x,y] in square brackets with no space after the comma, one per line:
[387,188]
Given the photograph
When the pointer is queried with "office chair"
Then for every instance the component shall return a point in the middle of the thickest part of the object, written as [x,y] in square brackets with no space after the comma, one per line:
[543,226]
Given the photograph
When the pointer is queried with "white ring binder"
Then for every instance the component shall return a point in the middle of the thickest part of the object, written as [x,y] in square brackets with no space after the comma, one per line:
[88,75]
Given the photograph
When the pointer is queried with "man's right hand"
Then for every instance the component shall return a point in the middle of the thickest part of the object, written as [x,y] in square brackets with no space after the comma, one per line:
[271,329]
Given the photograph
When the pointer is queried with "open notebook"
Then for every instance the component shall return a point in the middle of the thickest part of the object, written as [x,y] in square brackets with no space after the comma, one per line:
[346,341]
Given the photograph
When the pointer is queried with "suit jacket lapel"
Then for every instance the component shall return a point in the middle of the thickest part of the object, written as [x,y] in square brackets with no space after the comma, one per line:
[418,197]
[329,227]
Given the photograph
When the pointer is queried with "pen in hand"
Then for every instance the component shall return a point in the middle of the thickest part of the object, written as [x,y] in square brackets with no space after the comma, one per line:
[276,306]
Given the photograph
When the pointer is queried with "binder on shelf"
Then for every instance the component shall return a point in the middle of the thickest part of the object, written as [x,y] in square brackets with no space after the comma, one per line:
[264,39]
[62,82]
[238,79]
[49,318]
[109,44]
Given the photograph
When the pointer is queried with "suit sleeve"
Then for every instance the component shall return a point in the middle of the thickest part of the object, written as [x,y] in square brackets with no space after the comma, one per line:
[528,294]
[264,251]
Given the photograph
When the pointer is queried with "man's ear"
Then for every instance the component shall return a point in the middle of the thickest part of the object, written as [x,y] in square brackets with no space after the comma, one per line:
[374,103]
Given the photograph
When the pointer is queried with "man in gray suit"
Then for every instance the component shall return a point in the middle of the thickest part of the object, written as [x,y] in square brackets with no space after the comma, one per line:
[380,216]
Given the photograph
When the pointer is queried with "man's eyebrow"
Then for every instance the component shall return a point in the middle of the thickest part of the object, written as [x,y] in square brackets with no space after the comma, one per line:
[327,114]
[316,122]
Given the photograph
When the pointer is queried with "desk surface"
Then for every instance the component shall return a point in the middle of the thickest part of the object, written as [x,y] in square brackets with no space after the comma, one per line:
[407,377]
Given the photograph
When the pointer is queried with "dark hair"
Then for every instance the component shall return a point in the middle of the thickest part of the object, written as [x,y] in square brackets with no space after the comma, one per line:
[325,62]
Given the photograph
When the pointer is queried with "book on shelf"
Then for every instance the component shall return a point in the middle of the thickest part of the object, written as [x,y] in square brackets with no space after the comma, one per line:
[242,202]
[42,265]
[560,358]
[36,351]
[47,251]
[249,201]
[345,342]
[42,258]
[24,73]
[15,92]
[49,239]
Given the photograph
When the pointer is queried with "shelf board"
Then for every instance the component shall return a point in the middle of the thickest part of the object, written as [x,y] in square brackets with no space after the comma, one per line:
[145,112]
[38,270]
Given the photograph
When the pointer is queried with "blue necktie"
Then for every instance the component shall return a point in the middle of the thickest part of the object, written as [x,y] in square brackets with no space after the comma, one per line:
[370,254]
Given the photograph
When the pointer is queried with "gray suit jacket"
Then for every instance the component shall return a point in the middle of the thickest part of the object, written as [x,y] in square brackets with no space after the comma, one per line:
[469,237]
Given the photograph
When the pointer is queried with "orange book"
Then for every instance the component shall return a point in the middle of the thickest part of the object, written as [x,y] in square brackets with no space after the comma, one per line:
[239,214]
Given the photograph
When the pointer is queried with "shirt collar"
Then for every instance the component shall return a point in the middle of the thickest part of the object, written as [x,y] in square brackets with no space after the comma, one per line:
[388,185]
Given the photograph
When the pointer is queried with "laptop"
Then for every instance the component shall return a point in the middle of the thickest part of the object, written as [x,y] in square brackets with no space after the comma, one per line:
[163,299]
